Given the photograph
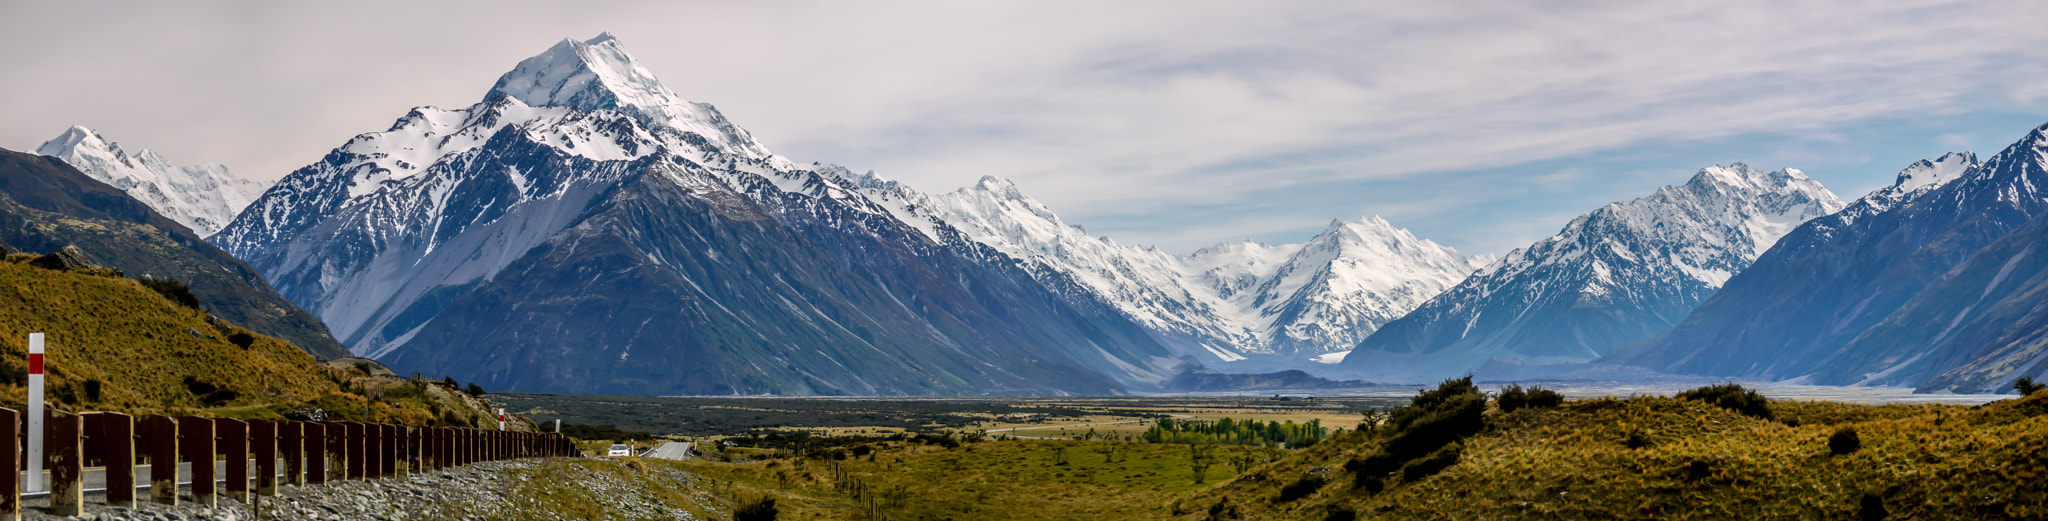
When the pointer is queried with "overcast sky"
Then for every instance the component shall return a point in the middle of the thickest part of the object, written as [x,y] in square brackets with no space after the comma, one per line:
[1177,124]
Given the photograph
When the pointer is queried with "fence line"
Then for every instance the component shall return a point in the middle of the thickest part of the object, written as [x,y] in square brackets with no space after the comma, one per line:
[312,453]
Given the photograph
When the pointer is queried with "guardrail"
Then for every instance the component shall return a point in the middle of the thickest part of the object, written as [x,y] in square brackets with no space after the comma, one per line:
[310,452]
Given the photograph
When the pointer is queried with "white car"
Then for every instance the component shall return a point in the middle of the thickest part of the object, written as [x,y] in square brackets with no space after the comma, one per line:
[620,450]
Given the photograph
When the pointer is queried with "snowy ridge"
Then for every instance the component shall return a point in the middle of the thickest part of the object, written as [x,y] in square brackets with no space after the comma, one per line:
[1620,273]
[1228,303]
[392,226]
[201,197]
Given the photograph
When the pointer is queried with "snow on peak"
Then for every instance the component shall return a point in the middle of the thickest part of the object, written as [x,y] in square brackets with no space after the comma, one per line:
[202,197]
[598,74]
[1934,173]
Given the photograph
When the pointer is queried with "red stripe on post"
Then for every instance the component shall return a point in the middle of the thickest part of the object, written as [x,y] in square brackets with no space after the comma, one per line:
[35,363]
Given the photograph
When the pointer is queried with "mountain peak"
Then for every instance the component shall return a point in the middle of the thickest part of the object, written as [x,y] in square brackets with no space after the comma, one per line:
[1938,171]
[598,74]
[73,138]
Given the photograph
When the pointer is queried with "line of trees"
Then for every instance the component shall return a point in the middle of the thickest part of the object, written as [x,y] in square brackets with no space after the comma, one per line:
[1230,432]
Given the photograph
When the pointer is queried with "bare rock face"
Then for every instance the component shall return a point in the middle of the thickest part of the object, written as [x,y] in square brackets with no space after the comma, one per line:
[65,259]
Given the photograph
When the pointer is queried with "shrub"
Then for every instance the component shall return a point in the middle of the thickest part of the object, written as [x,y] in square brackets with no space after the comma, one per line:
[1844,441]
[1636,439]
[1341,514]
[1511,397]
[242,339]
[1872,508]
[1436,462]
[475,390]
[1732,397]
[1436,418]
[2026,386]
[758,510]
[1515,397]
[1301,488]
[172,290]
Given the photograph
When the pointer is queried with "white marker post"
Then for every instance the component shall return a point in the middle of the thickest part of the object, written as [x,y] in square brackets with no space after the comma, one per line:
[558,425]
[501,418]
[35,414]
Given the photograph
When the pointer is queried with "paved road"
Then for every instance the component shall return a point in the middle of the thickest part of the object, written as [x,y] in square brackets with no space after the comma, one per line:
[675,450]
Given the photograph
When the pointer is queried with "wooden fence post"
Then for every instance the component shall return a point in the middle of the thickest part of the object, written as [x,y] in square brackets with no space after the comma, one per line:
[315,434]
[196,438]
[10,482]
[65,451]
[358,448]
[160,435]
[263,448]
[373,450]
[387,447]
[338,451]
[291,443]
[232,442]
[113,435]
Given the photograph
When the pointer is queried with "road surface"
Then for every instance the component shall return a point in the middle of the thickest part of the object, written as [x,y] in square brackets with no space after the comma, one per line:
[675,450]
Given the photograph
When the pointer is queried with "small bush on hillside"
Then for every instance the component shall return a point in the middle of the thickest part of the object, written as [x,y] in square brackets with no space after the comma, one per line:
[1370,470]
[1515,397]
[1302,488]
[1732,397]
[1436,462]
[757,510]
[1872,508]
[172,290]
[2026,386]
[1844,441]
[242,340]
[1341,514]
[1436,418]
[475,390]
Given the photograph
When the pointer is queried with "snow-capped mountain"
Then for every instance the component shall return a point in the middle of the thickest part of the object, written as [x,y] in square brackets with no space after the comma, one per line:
[1622,273]
[1235,302]
[585,229]
[201,197]
[1935,282]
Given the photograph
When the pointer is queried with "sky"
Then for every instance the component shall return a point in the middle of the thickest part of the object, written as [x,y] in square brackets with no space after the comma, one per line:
[1179,124]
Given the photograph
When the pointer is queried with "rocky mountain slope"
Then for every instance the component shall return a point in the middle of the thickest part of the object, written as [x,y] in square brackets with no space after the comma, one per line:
[45,205]
[585,229]
[1239,304]
[1928,283]
[1619,274]
[202,197]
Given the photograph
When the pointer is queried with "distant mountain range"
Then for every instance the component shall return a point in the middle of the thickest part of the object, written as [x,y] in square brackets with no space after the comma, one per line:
[45,205]
[203,197]
[1934,282]
[1242,305]
[1619,274]
[585,229]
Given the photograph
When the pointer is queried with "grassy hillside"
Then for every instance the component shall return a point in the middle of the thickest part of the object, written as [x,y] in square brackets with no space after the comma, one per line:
[114,345]
[1669,458]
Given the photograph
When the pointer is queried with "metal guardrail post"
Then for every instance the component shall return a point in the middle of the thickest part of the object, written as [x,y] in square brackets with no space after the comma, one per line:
[196,441]
[160,436]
